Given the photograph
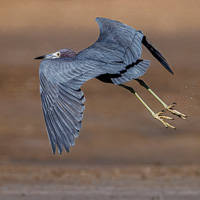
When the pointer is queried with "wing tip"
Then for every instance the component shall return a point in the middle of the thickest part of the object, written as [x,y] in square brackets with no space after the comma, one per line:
[167,67]
[156,54]
[67,149]
[172,73]
[53,148]
[98,19]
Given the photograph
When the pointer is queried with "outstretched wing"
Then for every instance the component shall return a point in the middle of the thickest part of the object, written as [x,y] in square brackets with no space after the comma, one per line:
[62,98]
[118,45]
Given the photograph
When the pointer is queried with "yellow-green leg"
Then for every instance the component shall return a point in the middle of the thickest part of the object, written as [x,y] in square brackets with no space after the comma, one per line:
[169,108]
[157,116]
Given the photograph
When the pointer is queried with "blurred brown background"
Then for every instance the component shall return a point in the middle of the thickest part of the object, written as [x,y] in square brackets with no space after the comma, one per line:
[117,130]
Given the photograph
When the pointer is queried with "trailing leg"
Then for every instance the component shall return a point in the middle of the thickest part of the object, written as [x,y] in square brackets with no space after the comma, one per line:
[169,108]
[157,116]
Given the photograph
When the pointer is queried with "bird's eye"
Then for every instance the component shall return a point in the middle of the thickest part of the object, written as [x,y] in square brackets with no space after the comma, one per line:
[58,54]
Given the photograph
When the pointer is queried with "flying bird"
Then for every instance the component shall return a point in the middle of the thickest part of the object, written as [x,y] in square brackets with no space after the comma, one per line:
[114,58]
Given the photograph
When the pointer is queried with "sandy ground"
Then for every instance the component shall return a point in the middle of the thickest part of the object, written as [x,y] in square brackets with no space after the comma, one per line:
[122,152]
[102,182]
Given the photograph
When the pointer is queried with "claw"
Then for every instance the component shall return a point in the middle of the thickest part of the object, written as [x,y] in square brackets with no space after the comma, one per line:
[160,117]
[175,112]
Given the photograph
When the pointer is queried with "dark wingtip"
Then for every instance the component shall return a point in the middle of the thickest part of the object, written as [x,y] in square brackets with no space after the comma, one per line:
[172,72]
[40,57]
[167,67]
[53,149]
[157,55]
[67,150]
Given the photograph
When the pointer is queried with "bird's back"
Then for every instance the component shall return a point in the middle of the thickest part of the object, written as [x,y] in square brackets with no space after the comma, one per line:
[118,45]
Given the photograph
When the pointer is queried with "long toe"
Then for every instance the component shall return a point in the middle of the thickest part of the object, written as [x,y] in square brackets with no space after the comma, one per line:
[160,117]
[175,112]
[169,125]
[166,117]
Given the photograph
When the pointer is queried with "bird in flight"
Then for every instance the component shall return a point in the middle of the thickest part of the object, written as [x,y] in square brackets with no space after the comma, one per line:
[114,58]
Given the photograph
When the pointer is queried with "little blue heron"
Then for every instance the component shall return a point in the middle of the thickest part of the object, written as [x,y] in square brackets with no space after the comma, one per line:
[114,58]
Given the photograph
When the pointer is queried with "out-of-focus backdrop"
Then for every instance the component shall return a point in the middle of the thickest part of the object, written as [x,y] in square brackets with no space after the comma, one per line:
[117,130]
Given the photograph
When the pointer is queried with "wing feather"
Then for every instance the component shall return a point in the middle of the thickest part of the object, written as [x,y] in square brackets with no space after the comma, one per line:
[118,45]
[132,73]
[63,100]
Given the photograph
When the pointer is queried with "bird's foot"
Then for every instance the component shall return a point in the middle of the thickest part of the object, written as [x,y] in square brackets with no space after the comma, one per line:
[175,112]
[161,118]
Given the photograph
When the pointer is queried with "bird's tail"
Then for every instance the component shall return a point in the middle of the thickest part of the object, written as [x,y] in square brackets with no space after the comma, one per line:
[156,54]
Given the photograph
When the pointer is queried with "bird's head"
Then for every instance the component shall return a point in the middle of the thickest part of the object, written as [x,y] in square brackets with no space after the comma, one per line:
[63,53]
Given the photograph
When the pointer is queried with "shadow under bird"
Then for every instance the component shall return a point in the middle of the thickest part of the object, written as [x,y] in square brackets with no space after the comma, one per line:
[114,58]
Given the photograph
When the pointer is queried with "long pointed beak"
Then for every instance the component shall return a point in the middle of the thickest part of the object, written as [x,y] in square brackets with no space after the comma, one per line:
[40,57]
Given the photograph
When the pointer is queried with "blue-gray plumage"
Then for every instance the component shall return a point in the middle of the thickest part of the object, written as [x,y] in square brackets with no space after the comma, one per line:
[115,58]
